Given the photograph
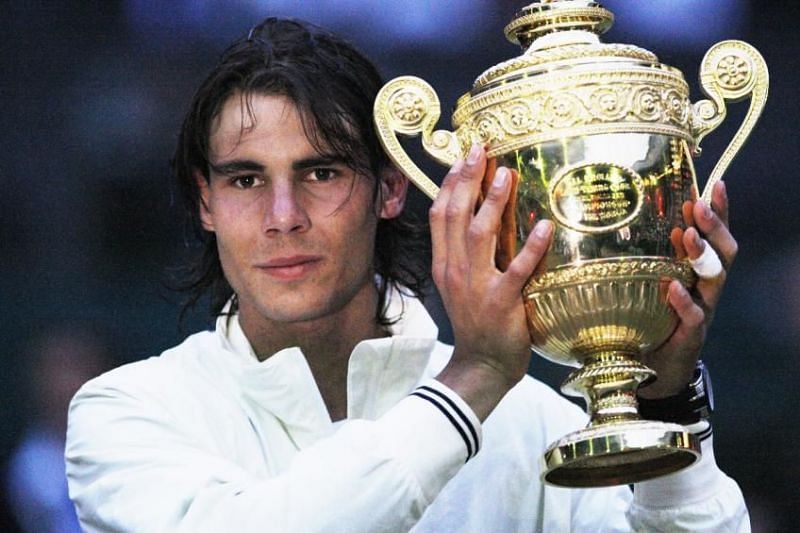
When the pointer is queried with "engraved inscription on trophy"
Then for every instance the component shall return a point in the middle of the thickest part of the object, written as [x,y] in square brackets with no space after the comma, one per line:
[596,198]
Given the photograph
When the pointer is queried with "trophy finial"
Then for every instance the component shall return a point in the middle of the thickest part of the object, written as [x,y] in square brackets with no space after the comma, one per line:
[548,16]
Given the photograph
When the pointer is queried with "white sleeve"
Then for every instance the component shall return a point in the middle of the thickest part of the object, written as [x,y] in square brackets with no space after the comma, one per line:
[129,469]
[700,498]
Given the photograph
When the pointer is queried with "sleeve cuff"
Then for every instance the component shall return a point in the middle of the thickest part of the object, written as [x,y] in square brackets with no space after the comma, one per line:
[691,485]
[456,411]
[435,432]
[701,429]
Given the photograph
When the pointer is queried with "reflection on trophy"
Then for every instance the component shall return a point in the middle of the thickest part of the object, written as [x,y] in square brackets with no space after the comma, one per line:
[599,138]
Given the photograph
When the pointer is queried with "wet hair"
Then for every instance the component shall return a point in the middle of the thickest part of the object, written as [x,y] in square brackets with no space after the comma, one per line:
[333,87]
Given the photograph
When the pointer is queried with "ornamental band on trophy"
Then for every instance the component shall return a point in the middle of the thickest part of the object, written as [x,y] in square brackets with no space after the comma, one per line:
[599,138]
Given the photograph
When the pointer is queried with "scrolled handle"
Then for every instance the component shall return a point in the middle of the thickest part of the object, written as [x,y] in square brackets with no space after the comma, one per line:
[409,106]
[731,70]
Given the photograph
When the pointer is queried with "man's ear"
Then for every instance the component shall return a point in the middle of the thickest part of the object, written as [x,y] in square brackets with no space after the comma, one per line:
[205,213]
[394,186]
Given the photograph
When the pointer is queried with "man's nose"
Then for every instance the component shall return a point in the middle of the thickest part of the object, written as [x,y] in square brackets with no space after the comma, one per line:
[283,211]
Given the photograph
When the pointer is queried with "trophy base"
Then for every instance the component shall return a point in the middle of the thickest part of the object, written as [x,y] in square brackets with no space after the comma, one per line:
[619,454]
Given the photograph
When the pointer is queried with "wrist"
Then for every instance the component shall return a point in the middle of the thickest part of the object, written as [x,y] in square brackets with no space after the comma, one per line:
[479,384]
[692,404]
[669,382]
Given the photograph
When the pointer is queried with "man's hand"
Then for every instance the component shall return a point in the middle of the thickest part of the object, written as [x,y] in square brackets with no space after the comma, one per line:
[675,360]
[492,343]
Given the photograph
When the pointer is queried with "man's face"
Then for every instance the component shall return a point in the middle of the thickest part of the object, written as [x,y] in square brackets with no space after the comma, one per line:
[295,227]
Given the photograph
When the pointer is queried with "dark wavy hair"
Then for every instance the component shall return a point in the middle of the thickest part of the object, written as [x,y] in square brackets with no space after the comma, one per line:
[333,86]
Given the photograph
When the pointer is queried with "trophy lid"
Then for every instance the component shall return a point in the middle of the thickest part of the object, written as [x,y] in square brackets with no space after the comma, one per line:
[552,32]
[547,16]
[568,78]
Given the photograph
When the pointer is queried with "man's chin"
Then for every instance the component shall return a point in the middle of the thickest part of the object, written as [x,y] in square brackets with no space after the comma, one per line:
[296,310]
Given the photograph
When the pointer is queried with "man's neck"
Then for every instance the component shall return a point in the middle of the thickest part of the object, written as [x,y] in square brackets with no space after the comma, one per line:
[326,342]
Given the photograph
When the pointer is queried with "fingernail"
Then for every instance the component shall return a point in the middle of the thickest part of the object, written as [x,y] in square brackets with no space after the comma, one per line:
[457,166]
[500,178]
[542,229]
[706,210]
[682,293]
[697,240]
[474,154]
[723,189]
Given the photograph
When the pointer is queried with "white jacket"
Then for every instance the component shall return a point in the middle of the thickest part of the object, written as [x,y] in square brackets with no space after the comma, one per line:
[207,438]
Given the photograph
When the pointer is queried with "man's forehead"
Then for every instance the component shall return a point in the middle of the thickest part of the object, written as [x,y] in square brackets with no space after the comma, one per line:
[242,112]
[246,117]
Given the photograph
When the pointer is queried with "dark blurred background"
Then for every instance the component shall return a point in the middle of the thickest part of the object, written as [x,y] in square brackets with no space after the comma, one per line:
[91,98]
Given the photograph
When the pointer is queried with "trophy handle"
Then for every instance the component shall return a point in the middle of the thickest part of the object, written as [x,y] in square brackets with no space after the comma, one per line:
[408,105]
[731,70]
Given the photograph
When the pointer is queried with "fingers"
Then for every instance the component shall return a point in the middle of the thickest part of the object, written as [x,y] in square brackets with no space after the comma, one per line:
[691,315]
[528,258]
[676,238]
[675,360]
[464,242]
[485,225]
[716,231]
[704,260]
[438,224]
[713,225]
[688,216]
[719,201]
[453,209]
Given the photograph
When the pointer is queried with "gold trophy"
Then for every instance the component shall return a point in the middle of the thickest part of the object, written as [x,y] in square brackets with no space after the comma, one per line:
[599,138]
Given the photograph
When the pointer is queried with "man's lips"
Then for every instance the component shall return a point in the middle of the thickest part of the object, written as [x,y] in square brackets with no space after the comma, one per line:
[291,267]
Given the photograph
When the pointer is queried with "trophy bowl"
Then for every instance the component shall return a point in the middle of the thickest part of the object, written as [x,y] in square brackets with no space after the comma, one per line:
[599,139]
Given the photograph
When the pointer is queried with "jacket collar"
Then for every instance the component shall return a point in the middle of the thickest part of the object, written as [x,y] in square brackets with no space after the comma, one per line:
[380,372]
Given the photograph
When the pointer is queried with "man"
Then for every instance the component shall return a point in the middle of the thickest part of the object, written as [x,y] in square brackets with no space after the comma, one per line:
[322,401]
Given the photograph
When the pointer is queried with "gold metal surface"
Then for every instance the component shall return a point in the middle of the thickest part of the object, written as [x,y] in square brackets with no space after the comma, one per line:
[731,70]
[540,18]
[619,454]
[599,138]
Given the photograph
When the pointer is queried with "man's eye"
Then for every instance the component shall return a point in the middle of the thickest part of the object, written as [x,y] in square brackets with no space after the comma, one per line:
[322,174]
[245,182]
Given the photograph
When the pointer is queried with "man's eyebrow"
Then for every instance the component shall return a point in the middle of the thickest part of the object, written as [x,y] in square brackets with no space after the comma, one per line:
[227,168]
[317,161]
[232,167]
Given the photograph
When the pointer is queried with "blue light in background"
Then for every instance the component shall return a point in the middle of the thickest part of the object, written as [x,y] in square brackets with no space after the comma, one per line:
[382,23]
[692,24]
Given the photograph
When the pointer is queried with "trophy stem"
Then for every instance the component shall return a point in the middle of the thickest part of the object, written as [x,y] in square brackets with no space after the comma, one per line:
[608,382]
[617,446]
